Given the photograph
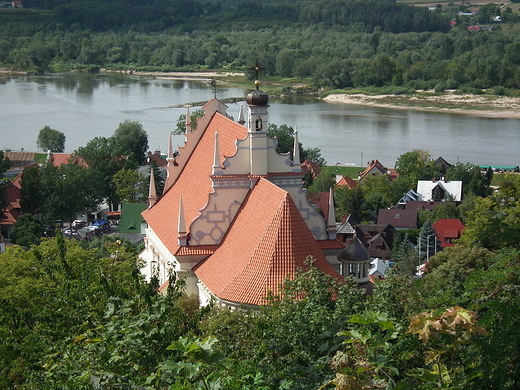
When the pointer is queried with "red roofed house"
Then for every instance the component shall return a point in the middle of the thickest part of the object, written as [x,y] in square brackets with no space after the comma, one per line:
[12,211]
[346,181]
[448,230]
[376,168]
[233,217]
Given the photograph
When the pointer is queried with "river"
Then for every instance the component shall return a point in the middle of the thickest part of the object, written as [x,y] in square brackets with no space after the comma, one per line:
[84,106]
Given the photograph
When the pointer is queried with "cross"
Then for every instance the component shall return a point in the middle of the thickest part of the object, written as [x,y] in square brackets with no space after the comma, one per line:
[257,70]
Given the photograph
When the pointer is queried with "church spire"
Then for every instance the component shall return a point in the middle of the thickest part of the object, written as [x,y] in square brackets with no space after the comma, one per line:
[152,193]
[296,149]
[331,217]
[217,167]
[188,120]
[241,119]
[182,237]
[171,164]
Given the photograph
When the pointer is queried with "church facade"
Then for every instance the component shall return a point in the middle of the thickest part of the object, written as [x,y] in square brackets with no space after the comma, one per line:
[233,218]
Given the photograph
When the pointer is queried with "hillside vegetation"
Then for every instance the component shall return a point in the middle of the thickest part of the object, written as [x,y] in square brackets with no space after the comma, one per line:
[325,43]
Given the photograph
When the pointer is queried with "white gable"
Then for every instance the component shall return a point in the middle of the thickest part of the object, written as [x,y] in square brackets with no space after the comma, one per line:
[426,187]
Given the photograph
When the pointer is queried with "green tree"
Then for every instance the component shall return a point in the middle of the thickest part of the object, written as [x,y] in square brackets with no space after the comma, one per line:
[103,163]
[350,201]
[5,164]
[131,186]
[66,191]
[428,244]
[50,139]
[130,139]
[26,231]
[31,192]
[180,127]
[407,257]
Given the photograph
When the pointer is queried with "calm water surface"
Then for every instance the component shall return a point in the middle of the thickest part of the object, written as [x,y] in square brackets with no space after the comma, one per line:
[84,106]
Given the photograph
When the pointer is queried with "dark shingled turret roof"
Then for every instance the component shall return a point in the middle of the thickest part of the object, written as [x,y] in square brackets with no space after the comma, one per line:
[354,251]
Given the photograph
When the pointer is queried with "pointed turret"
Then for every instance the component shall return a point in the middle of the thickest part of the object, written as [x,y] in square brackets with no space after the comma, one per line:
[182,237]
[152,193]
[331,217]
[217,167]
[188,120]
[257,128]
[170,166]
[296,149]
[241,117]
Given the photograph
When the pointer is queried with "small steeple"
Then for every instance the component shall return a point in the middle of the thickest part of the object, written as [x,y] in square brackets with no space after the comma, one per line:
[152,192]
[170,166]
[296,149]
[188,120]
[241,118]
[331,217]
[182,237]
[217,167]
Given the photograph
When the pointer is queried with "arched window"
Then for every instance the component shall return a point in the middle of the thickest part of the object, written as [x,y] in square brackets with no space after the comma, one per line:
[259,124]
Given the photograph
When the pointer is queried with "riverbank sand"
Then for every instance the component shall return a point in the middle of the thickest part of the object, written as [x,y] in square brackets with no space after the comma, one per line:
[486,106]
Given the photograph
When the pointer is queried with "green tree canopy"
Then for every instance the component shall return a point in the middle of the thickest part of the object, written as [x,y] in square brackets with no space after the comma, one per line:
[26,231]
[180,126]
[50,139]
[130,139]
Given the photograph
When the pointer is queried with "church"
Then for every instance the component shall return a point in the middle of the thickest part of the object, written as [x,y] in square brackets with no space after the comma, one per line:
[233,218]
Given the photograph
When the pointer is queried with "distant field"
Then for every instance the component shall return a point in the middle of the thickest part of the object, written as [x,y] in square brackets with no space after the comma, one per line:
[342,170]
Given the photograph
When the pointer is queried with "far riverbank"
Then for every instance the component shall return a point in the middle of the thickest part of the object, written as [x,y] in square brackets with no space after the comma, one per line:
[485,106]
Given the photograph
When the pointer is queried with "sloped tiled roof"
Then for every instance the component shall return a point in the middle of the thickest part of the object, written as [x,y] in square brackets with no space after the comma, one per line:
[406,219]
[308,165]
[347,181]
[266,243]
[373,167]
[448,228]
[60,159]
[194,182]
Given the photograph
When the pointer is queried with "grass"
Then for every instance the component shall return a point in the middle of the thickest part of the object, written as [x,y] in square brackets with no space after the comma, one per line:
[342,170]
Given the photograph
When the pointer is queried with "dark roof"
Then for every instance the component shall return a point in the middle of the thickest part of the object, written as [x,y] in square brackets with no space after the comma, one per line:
[424,205]
[443,164]
[354,251]
[131,218]
[405,219]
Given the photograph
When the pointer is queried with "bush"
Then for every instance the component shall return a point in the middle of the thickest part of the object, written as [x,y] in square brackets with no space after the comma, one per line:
[500,91]
[440,87]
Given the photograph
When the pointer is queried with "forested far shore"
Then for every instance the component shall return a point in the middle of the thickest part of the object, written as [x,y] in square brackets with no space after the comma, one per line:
[321,51]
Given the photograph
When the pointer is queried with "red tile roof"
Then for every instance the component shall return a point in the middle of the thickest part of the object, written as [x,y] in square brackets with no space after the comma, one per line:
[60,159]
[266,243]
[448,230]
[194,182]
[347,181]
[374,164]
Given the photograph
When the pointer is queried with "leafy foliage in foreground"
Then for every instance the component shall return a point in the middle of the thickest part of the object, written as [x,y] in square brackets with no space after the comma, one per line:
[77,318]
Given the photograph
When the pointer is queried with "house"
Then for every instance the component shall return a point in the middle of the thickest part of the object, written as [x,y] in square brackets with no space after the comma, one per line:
[400,219]
[378,239]
[311,166]
[374,168]
[17,4]
[448,230]
[345,181]
[421,205]
[60,159]
[378,268]
[9,215]
[19,160]
[440,190]
[233,218]
[131,224]
[155,158]
[443,165]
